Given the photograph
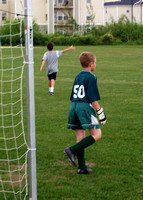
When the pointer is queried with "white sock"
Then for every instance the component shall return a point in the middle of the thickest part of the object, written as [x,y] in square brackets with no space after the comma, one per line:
[52,89]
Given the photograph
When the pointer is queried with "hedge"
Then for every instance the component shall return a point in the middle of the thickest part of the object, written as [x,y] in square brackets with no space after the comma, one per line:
[122,32]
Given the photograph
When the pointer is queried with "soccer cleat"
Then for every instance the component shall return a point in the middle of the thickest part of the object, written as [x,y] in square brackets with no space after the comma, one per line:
[51,93]
[84,171]
[70,156]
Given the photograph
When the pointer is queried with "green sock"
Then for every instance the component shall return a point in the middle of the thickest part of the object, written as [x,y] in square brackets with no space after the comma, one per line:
[85,142]
[81,159]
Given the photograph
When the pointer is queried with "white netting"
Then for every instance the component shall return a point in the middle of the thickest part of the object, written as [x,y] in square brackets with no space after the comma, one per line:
[13,145]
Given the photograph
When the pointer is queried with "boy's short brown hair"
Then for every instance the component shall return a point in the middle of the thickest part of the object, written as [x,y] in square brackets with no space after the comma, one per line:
[86,58]
[50,46]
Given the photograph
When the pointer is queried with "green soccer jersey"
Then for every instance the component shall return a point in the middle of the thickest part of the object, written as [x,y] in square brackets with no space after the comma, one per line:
[85,88]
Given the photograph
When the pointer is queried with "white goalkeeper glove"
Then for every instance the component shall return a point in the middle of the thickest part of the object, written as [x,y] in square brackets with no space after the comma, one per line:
[102,116]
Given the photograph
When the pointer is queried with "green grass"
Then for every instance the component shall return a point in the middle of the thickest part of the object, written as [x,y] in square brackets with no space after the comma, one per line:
[116,159]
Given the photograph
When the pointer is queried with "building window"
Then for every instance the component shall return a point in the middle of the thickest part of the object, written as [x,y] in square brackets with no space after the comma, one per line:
[3,1]
[46,17]
[60,1]
[3,16]
[88,1]
[65,17]
[66,2]
[60,18]
[88,16]
[128,11]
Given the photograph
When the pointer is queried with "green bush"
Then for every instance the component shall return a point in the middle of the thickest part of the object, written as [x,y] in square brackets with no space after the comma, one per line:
[117,42]
[107,38]
[111,33]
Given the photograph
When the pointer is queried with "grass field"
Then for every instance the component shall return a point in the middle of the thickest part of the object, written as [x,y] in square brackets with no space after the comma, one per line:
[117,159]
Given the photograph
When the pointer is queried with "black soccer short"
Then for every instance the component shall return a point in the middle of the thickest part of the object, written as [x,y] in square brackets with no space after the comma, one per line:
[52,76]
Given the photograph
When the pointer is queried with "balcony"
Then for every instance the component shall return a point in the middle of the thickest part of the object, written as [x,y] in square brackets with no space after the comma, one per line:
[63,4]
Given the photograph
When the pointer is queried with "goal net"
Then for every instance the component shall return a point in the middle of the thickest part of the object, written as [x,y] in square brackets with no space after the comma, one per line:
[13,144]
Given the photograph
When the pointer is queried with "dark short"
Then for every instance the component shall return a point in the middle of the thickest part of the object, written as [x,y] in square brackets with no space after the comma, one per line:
[82,116]
[52,76]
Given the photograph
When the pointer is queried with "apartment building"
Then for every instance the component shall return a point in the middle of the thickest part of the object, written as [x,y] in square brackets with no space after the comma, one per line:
[58,14]
[53,15]
[132,9]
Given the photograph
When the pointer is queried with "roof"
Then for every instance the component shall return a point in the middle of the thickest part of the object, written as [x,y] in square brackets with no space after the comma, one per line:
[123,2]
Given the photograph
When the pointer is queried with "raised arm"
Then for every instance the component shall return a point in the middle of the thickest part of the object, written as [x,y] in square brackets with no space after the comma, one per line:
[68,49]
[42,65]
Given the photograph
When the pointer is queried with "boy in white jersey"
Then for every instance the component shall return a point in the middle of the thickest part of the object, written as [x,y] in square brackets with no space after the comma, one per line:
[82,115]
[51,57]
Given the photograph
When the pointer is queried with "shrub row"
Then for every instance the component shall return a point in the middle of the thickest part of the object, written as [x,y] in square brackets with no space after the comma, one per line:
[122,32]
[106,39]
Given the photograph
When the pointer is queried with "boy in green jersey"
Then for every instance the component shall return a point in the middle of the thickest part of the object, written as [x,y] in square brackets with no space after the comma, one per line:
[82,115]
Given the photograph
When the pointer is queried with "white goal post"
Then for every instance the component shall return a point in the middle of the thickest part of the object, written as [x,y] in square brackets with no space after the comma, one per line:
[16,151]
[30,99]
